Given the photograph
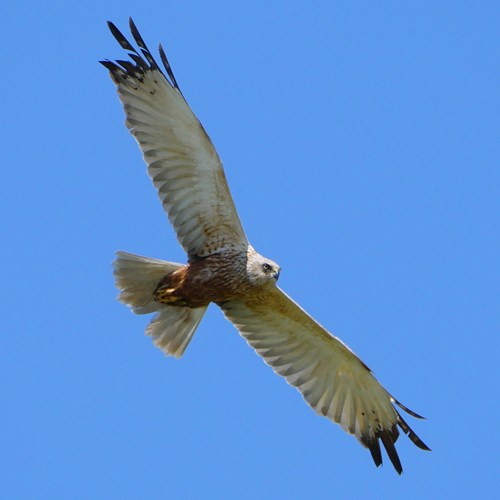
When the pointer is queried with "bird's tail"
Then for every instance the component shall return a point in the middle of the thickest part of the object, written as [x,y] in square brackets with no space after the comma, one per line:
[136,277]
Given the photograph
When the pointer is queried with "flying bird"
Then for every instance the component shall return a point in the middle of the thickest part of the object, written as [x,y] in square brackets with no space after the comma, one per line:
[223,267]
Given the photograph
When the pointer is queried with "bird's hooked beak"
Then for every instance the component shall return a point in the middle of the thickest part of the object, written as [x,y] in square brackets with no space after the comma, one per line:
[276,274]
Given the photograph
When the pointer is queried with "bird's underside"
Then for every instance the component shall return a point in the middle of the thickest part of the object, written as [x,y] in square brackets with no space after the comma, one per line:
[224,268]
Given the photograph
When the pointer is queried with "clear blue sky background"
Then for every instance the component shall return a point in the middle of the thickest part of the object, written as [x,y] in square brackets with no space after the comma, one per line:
[360,140]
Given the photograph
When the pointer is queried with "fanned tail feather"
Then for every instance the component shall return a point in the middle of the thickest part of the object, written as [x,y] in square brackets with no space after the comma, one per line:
[137,277]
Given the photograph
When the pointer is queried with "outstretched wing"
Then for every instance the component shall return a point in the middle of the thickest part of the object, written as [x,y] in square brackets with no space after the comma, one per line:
[331,378]
[181,159]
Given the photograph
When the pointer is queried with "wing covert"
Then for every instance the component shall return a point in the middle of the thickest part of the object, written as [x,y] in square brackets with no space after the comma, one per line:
[182,161]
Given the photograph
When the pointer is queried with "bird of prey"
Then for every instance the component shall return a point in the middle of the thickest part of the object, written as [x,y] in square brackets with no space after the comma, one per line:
[223,267]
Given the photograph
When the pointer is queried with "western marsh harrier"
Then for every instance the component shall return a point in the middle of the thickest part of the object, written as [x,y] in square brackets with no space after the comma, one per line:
[225,269]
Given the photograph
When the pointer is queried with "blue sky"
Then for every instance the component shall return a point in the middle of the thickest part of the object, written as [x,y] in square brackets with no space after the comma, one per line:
[360,141]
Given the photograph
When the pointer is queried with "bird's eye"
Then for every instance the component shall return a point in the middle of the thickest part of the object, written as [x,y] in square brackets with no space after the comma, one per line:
[266,267]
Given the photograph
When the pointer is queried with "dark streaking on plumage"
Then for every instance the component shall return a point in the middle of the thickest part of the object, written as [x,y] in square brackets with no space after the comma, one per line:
[225,269]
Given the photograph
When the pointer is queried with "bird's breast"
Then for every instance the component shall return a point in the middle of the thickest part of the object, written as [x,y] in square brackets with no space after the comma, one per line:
[217,278]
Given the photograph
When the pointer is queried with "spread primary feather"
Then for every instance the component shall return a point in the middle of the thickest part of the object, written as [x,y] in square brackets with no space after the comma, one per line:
[223,267]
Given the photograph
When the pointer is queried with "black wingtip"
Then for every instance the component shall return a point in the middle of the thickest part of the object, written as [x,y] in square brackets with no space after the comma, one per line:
[168,68]
[120,38]
[374,448]
[388,441]
[407,410]
[411,434]
[108,64]
[143,58]
[135,33]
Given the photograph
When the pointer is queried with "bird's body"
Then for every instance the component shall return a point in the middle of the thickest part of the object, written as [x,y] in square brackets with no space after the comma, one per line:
[216,278]
[223,268]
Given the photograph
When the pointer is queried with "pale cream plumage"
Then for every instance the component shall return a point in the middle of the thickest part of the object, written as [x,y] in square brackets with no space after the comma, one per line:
[191,184]
[182,162]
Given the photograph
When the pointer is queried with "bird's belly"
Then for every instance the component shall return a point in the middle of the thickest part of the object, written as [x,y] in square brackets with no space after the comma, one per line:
[197,286]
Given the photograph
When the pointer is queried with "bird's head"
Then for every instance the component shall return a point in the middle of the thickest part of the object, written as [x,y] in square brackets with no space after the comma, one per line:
[261,271]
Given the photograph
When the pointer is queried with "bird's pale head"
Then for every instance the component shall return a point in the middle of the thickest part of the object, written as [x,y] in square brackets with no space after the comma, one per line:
[260,270]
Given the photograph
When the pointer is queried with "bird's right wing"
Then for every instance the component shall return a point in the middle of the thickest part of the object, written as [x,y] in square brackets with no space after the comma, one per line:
[181,158]
[330,377]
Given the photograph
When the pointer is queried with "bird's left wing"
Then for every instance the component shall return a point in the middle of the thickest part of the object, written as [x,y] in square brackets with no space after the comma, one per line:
[330,377]
[182,161]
